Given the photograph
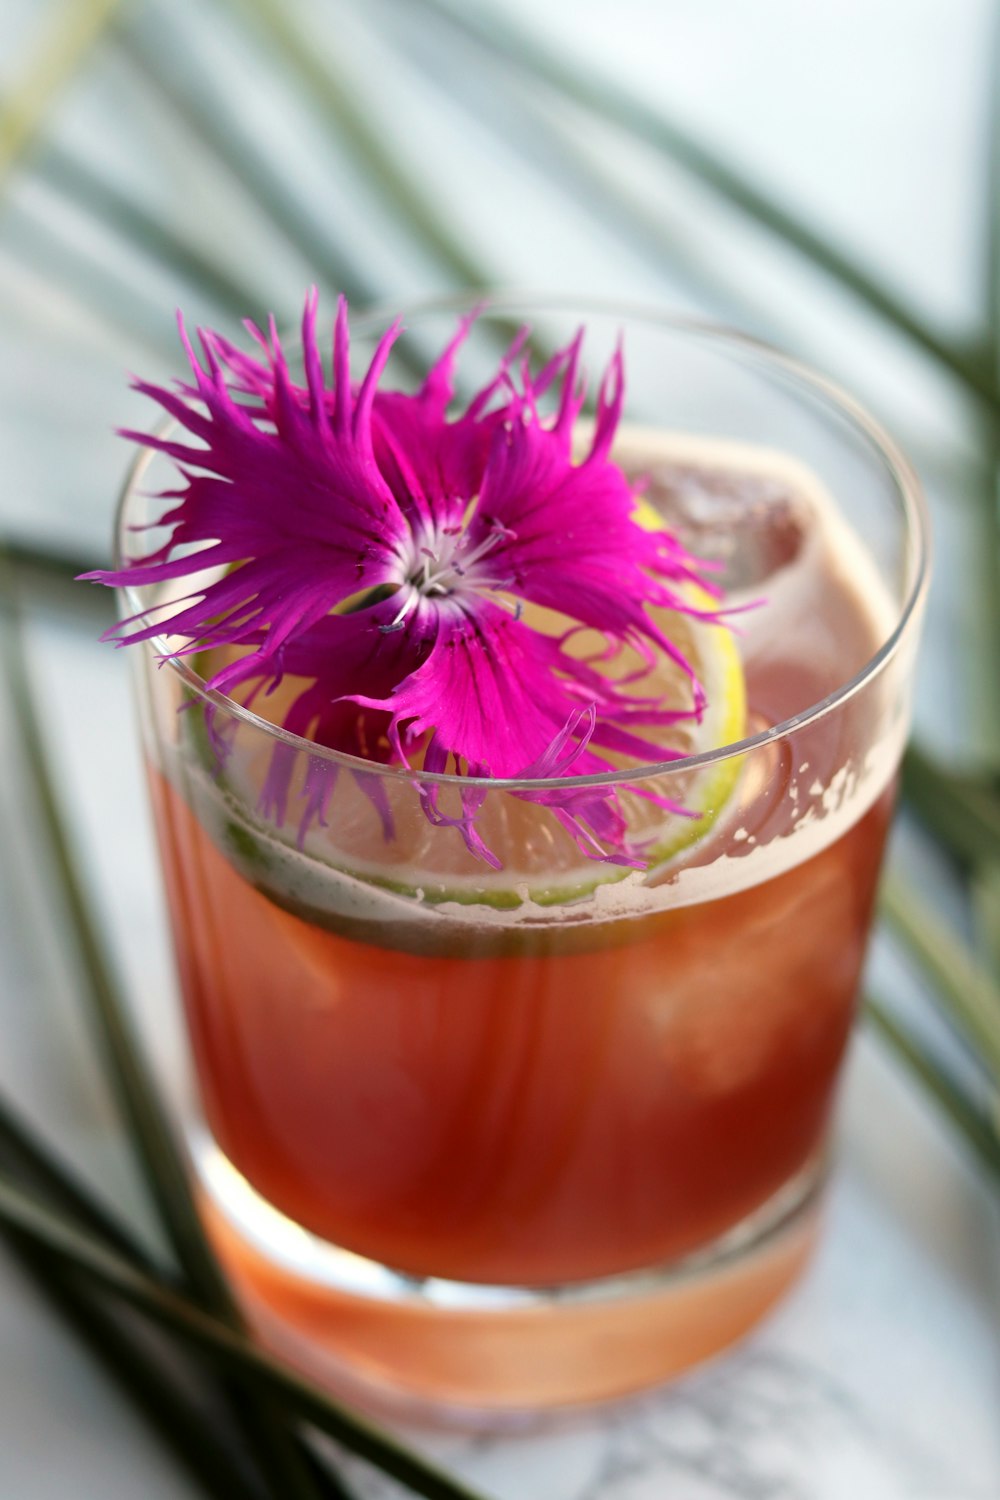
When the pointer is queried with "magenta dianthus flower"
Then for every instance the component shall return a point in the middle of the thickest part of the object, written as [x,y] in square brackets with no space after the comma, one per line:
[389,552]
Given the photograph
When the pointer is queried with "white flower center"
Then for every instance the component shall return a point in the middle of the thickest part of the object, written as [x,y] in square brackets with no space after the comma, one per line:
[443,562]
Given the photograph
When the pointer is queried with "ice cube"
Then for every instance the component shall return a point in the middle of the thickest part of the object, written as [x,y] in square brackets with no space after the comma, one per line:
[751,524]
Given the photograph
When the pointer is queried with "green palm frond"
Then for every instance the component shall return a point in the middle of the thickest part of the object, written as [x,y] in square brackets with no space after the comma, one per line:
[500,38]
[986,914]
[340,104]
[74,1245]
[73,28]
[979,1129]
[229,1348]
[987,585]
[172,73]
[77,179]
[967,990]
[51,254]
[166,1175]
[961,811]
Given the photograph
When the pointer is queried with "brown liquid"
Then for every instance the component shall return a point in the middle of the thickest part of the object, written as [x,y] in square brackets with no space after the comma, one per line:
[526,1113]
[523,1119]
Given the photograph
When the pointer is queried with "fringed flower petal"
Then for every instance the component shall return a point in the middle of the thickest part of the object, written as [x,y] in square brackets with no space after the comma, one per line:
[397,558]
[304,503]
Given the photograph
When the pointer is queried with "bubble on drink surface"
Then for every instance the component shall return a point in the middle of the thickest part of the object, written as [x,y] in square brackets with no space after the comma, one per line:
[752,525]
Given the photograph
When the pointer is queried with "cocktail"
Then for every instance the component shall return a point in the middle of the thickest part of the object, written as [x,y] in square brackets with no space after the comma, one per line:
[520,885]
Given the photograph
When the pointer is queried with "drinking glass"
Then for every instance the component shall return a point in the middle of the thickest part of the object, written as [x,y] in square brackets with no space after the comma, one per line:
[490,1140]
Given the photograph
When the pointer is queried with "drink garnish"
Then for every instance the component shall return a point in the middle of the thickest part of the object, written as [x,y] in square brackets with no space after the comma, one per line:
[426,574]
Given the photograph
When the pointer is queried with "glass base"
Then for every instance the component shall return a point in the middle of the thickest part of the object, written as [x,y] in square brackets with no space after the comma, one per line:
[473,1354]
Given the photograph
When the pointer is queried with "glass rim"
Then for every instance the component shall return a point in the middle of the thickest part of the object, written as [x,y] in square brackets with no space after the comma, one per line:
[732,342]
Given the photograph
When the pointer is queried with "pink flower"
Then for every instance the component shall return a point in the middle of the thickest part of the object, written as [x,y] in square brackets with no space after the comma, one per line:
[436,531]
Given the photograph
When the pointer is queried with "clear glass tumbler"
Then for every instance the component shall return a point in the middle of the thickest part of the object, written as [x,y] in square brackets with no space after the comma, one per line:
[546,1135]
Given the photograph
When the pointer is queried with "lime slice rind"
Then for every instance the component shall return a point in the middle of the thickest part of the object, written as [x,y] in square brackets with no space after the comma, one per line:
[265,854]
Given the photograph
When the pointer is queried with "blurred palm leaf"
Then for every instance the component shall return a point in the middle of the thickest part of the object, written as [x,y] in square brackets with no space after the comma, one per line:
[499,37]
[78,1250]
[159,48]
[74,28]
[172,71]
[339,100]
[79,180]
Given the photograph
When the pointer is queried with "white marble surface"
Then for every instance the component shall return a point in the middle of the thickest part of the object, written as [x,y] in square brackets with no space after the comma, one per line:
[879,1378]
